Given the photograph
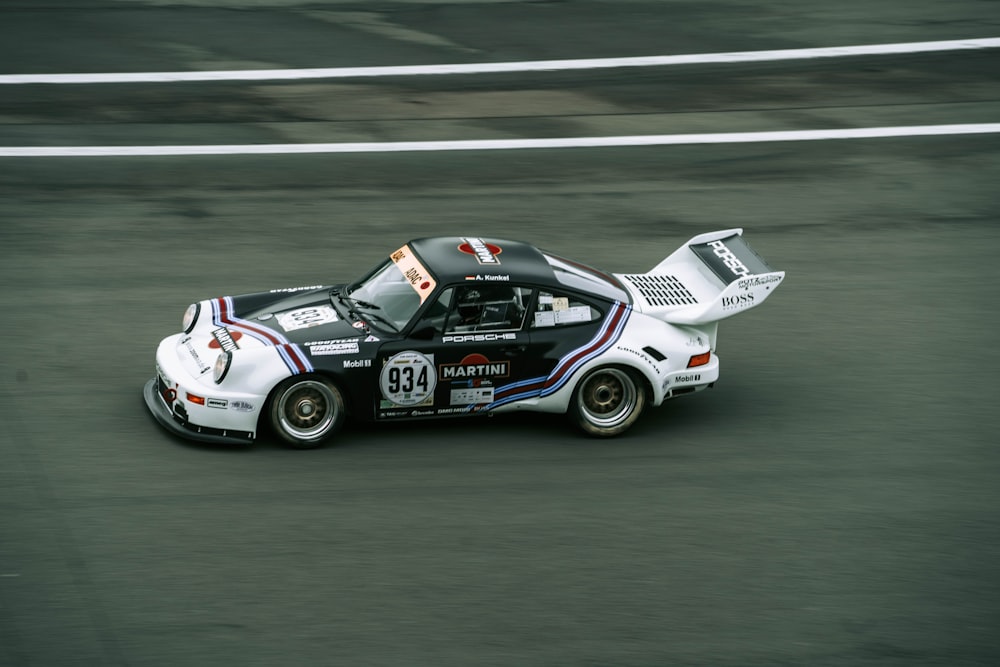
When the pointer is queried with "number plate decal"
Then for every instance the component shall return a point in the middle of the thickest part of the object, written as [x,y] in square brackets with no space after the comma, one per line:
[408,379]
[306,317]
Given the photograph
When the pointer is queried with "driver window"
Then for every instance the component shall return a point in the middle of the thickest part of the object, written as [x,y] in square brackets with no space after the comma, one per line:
[487,307]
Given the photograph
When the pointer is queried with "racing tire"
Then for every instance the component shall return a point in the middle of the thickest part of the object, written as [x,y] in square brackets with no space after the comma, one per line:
[306,411]
[607,401]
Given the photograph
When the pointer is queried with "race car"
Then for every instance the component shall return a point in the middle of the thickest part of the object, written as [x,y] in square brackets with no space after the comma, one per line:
[456,327]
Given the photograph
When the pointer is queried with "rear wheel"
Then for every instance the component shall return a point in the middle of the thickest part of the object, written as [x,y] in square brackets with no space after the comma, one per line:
[307,411]
[607,401]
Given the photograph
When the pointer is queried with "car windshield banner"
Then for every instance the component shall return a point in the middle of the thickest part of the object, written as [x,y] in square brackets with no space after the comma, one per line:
[415,273]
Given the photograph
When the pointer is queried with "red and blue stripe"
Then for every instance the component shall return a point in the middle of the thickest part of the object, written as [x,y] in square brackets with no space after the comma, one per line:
[223,315]
[609,333]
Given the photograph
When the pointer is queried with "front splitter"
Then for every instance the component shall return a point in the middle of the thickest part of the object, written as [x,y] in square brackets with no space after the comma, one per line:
[187,430]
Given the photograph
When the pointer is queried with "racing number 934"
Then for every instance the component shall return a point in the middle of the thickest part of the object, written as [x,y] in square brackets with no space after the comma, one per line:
[408,378]
[401,379]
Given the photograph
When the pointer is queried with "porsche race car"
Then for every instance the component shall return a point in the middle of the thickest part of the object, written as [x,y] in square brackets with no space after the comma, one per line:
[455,327]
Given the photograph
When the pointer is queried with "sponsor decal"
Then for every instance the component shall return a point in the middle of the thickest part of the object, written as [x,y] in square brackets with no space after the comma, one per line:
[723,252]
[219,403]
[451,411]
[695,341]
[478,338]
[562,313]
[371,339]
[721,257]
[485,253]
[414,272]
[225,340]
[757,281]
[473,366]
[333,341]
[421,412]
[163,385]
[304,318]
[642,355]
[471,393]
[738,301]
[688,378]
[202,366]
[357,363]
[319,348]
[408,379]
[359,325]
[330,350]
[241,406]
[294,289]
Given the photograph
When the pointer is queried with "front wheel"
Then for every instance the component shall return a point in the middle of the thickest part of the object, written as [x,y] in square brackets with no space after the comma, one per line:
[607,401]
[307,411]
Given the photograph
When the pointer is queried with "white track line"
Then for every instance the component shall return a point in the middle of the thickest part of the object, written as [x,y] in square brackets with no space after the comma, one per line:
[502,144]
[525,66]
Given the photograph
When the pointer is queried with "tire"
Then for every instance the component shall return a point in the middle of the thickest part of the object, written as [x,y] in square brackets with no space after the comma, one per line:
[607,401]
[306,411]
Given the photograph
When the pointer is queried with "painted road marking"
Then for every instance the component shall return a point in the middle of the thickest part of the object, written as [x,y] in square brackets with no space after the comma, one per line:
[503,144]
[525,66]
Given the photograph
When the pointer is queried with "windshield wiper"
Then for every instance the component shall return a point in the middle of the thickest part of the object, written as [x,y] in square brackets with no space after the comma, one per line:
[383,320]
[366,305]
[349,302]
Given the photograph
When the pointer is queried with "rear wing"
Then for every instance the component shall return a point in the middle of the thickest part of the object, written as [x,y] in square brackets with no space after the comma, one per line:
[711,277]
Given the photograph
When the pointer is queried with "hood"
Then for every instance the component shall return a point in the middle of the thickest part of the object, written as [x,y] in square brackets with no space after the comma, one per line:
[300,322]
[297,315]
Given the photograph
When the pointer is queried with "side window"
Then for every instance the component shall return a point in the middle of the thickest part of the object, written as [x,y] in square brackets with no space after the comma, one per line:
[553,310]
[487,307]
[437,313]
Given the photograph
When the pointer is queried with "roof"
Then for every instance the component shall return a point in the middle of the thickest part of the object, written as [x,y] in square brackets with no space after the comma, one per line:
[456,258]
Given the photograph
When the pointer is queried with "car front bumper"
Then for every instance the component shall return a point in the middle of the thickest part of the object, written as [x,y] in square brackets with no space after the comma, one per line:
[178,425]
[192,408]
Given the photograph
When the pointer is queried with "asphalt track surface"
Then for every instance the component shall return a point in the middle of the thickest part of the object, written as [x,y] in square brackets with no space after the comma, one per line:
[833,501]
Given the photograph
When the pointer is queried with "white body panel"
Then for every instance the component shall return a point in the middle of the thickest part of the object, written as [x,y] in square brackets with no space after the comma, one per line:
[664,378]
[185,361]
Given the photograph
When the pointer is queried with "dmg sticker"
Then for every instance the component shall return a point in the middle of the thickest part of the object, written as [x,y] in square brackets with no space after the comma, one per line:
[408,378]
[306,317]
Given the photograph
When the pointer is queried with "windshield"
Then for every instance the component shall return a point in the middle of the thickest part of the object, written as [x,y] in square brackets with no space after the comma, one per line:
[387,295]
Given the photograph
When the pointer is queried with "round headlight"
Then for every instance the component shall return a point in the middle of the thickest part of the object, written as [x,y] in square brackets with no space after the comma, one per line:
[190,317]
[222,363]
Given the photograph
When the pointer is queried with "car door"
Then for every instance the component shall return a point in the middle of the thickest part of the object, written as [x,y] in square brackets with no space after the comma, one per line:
[564,330]
[470,341]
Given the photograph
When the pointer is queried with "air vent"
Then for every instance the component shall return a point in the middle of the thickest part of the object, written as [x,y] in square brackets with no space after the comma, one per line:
[662,290]
[653,352]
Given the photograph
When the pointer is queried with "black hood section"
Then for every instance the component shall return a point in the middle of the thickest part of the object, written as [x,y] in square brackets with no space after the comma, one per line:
[249,306]
[300,315]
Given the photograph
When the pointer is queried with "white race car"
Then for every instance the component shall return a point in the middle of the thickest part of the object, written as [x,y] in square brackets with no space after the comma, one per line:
[452,327]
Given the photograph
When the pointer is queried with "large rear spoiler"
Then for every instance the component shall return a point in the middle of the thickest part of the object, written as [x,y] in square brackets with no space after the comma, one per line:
[711,277]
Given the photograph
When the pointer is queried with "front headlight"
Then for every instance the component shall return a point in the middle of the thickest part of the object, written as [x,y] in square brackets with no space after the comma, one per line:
[190,317]
[222,364]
